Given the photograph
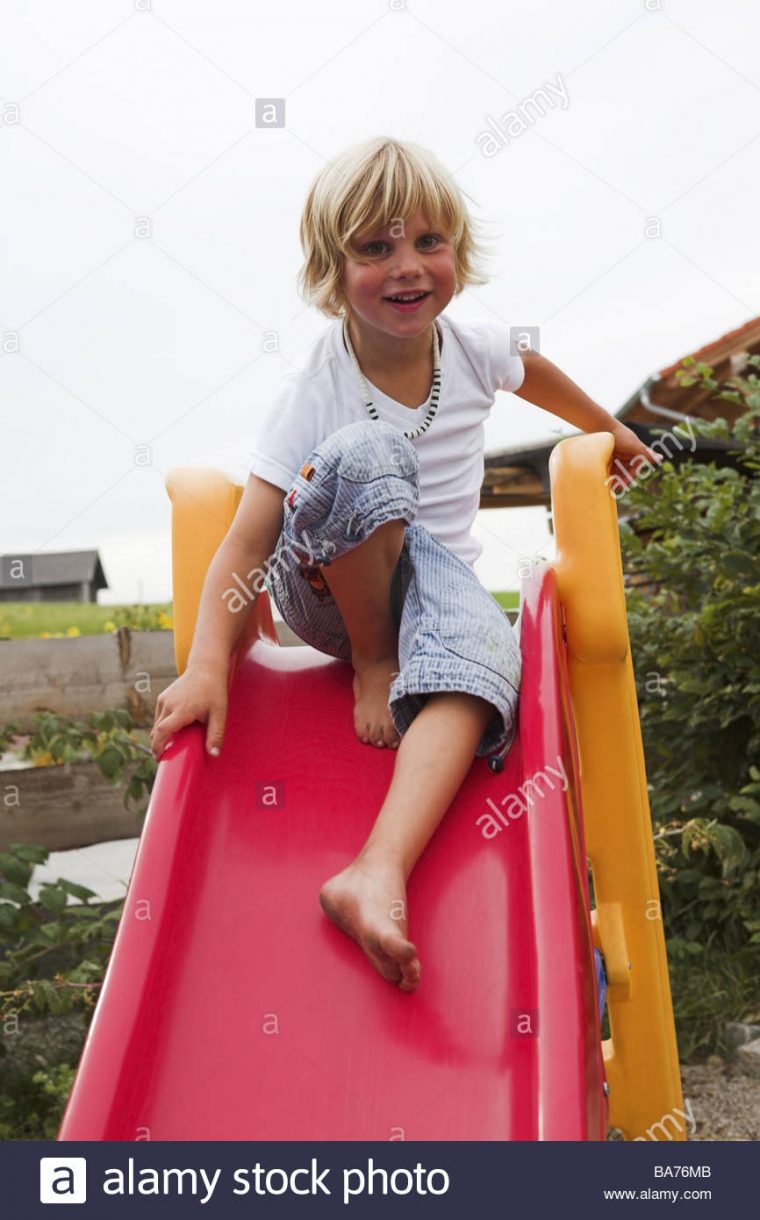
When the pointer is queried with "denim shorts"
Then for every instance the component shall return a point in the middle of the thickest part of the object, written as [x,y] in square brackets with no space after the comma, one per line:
[452,634]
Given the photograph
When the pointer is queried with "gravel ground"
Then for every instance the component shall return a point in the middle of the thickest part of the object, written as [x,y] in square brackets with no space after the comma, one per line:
[725,1101]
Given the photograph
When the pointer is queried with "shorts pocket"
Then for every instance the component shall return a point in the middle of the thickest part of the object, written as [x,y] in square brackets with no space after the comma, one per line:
[309,502]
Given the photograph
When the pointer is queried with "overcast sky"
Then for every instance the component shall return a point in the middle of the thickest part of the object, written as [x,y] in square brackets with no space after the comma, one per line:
[150,228]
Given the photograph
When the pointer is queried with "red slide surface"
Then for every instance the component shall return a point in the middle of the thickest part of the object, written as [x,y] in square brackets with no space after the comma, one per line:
[232,1009]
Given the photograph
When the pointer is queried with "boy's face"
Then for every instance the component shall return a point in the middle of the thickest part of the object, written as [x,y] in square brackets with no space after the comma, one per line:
[404,257]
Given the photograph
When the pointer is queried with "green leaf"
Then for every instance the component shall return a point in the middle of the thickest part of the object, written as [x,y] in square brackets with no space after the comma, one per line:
[729,847]
[49,931]
[746,806]
[38,995]
[30,852]
[51,996]
[78,891]
[53,899]
[14,869]
[110,762]
[14,893]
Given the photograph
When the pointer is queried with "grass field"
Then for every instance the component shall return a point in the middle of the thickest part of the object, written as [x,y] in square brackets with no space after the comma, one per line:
[26,620]
[509,600]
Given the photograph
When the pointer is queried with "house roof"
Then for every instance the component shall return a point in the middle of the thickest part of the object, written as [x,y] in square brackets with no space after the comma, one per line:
[518,476]
[56,568]
[743,338]
[662,392]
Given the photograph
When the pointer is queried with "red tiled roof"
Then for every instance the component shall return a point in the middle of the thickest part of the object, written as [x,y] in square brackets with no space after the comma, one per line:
[703,352]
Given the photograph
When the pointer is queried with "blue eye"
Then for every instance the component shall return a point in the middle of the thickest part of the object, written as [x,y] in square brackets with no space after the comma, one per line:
[368,247]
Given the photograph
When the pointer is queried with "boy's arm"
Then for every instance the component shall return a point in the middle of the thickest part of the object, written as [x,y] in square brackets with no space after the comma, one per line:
[548,387]
[246,550]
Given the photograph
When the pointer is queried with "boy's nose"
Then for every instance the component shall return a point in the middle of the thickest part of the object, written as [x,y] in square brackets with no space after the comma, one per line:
[407,262]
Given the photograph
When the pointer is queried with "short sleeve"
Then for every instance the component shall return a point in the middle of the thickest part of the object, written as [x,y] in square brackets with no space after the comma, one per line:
[286,435]
[503,369]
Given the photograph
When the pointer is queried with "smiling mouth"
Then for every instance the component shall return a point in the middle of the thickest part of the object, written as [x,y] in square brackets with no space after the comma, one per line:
[408,299]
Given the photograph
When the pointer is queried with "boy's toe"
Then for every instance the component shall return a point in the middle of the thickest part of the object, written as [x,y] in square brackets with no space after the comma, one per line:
[400,950]
[410,975]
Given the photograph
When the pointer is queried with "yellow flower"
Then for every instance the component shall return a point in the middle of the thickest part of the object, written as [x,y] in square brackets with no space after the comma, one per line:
[44,635]
[109,626]
[42,758]
[73,631]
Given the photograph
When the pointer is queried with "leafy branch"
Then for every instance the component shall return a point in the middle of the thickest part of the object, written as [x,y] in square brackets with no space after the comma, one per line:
[109,739]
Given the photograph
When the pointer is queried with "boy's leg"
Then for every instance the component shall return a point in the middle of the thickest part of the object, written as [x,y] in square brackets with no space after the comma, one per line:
[434,757]
[368,898]
[360,582]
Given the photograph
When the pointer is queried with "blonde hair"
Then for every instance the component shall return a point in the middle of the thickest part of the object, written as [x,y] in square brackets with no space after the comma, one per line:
[369,186]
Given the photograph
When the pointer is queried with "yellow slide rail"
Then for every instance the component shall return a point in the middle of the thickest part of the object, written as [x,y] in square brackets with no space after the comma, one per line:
[204,503]
[641,1056]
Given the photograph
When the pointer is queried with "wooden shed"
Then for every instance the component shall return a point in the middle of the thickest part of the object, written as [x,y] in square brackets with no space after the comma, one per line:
[54,576]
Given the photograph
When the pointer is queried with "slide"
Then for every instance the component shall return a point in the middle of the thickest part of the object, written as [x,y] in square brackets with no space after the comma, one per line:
[232,1009]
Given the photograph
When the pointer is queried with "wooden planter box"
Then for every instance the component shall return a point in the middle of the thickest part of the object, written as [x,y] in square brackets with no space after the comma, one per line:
[91,673]
[60,807]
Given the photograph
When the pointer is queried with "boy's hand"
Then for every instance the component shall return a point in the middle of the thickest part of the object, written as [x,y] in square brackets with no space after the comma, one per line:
[627,447]
[198,694]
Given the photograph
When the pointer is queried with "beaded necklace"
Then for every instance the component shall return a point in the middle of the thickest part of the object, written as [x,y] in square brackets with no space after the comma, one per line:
[435,392]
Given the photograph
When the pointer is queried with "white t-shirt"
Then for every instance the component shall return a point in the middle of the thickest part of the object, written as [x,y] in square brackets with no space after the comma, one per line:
[323,395]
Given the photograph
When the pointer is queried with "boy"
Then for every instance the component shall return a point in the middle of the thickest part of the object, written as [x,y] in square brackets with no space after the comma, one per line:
[363,523]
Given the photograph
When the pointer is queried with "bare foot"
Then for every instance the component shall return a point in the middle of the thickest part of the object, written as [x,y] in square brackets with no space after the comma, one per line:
[368,901]
[372,718]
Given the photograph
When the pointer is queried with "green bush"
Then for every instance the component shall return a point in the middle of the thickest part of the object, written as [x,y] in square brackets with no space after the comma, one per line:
[696,649]
[54,950]
[53,955]
[143,618]
[35,1108]
[109,739]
